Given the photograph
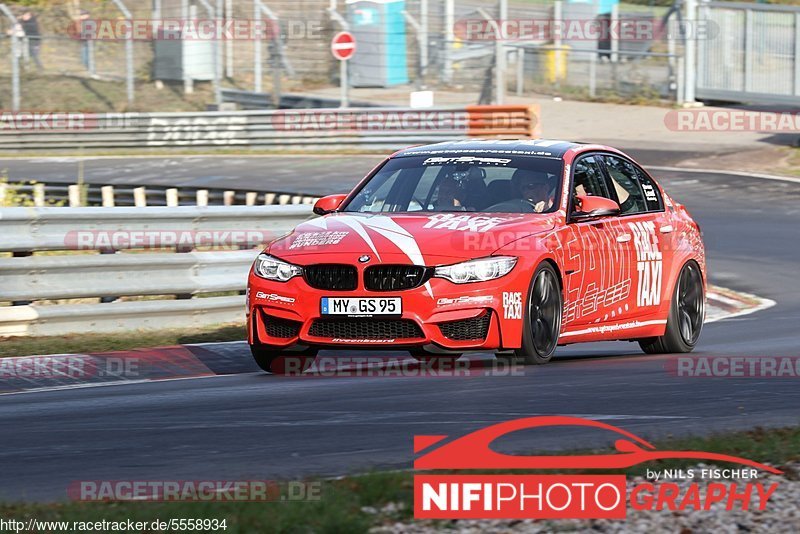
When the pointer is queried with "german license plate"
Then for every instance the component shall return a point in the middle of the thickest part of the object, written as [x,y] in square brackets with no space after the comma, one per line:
[361,306]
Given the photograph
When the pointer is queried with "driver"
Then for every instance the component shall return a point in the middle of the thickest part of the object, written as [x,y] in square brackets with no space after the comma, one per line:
[534,187]
[449,195]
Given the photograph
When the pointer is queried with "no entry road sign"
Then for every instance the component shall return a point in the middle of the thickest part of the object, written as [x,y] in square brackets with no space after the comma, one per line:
[343,45]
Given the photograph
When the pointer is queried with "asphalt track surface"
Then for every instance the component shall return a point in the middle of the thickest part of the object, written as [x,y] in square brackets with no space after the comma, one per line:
[298,173]
[253,425]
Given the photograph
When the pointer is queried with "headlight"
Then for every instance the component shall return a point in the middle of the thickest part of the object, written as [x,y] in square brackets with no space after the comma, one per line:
[479,270]
[272,268]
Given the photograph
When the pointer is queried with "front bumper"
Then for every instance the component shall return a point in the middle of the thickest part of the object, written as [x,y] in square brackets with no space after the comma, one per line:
[439,315]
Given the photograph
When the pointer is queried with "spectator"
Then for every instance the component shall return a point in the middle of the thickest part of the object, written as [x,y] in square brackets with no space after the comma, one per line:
[30,27]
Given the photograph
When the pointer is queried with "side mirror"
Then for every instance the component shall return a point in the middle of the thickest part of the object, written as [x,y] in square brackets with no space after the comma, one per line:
[587,207]
[328,204]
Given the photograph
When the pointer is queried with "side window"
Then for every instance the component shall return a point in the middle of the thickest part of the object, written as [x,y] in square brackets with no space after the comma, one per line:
[652,196]
[625,180]
[587,179]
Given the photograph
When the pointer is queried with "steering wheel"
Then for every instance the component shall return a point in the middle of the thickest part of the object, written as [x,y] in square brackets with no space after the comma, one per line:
[515,205]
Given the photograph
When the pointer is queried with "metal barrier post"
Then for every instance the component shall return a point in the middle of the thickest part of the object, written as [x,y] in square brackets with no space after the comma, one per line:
[217,81]
[187,12]
[672,50]
[90,64]
[423,37]
[218,57]
[128,52]
[559,26]
[275,63]
[21,254]
[228,42]
[615,30]
[502,59]
[257,46]
[748,50]
[690,56]
[449,38]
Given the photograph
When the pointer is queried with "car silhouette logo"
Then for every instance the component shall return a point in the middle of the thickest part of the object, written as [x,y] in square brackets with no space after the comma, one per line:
[364,259]
[474,451]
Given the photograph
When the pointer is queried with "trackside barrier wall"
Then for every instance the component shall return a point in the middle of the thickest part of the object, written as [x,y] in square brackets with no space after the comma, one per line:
[314,129]
[120,271]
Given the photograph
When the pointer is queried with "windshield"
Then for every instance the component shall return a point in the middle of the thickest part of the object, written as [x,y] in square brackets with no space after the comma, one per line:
[503,184]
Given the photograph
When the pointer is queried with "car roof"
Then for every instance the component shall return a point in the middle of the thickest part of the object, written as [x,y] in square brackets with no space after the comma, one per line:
[542,148]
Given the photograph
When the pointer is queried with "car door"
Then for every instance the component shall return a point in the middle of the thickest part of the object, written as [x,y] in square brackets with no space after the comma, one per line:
[643,219]
[599,253]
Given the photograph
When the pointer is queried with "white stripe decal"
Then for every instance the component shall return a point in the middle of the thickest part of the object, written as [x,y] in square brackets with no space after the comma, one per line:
[408,246]
[546,144]
[360,230]
[388,228]
[614,327]
[400,237]
[320,222]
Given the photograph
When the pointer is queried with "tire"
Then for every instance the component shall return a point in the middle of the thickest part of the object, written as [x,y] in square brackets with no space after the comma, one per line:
[542,317]
[686,315]
[282,362]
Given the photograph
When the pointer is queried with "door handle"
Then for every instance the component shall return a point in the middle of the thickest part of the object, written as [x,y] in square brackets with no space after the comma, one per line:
[623,238]
[666,229]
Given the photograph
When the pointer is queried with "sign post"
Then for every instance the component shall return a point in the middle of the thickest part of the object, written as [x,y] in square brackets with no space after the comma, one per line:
[343,45]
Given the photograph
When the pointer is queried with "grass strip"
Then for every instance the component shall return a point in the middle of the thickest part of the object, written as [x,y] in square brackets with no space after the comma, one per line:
[353,504]
[86,343]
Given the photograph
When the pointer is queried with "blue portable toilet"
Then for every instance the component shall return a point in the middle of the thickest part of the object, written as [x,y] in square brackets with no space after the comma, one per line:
[381,57]
[602,7]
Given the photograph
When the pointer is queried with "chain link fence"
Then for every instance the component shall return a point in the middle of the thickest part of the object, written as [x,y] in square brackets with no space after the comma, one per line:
[434,52]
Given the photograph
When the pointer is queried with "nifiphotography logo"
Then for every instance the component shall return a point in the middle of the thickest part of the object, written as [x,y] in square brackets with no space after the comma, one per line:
[571,496]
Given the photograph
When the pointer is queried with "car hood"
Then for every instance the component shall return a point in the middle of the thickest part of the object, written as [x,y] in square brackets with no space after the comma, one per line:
[423,239]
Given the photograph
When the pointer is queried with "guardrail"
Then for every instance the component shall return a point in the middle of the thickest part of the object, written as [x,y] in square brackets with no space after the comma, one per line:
[257,100]
[43,194]
[315,129]
[114,266]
